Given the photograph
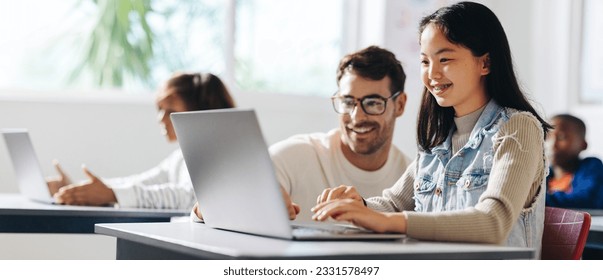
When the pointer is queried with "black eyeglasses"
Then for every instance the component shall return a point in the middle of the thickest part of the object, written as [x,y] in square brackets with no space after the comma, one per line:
[373,104]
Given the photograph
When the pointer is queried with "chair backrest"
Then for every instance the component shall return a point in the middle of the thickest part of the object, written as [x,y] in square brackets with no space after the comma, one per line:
[565,233]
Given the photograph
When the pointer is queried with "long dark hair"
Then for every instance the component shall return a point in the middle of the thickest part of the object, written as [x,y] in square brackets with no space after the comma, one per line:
[476,28]
[201,91]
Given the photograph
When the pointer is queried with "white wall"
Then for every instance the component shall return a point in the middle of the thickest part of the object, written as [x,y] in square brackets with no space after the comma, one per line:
[76,132]
[111,138]
[554,37]
[19,246]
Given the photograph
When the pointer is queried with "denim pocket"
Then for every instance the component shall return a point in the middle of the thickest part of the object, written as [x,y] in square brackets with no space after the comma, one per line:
[471,186]
[424,194]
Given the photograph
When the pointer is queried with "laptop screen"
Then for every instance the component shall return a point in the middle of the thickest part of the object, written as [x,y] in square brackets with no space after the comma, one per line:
[25,163]
[231,171]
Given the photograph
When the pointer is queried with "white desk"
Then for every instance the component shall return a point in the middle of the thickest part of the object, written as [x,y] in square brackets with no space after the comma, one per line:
[596,223]
[593,212]
[188,240]
[21,215]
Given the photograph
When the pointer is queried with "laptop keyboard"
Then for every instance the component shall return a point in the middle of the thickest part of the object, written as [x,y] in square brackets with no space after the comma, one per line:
[327,230]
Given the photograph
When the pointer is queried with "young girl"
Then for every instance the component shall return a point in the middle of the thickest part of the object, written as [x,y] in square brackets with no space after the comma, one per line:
[168,184]
[479,173]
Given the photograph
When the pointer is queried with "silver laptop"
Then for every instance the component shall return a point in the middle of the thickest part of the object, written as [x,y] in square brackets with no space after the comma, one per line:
[234,178]
[27,168]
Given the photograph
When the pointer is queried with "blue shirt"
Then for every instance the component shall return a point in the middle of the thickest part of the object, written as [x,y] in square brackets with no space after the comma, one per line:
[587,187]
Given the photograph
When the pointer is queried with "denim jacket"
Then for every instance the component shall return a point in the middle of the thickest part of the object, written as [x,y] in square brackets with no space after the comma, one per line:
[446,182]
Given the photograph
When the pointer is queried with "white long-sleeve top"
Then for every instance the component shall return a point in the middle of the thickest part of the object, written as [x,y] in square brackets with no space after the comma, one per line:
[166,186]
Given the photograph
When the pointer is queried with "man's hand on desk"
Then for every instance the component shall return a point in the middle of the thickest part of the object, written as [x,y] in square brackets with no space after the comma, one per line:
[92,192]
[55,183]
[197,212]
[292,208]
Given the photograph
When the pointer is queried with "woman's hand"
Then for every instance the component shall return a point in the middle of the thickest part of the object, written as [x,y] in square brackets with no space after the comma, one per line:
[55,183]
[354,211]
[340,192]
[92,192]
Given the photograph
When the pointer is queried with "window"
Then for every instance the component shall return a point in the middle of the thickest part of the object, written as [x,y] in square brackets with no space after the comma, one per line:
[107,44]
[132,46]
[591,66]
[38,54]
[288,46]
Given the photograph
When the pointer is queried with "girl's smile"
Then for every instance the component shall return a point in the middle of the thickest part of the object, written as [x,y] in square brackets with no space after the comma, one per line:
[439,89]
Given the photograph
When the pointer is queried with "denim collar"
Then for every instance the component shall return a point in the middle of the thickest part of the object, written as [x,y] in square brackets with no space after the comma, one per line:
[484,123]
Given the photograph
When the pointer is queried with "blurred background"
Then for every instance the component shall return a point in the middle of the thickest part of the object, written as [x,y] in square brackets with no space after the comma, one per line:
[82,75]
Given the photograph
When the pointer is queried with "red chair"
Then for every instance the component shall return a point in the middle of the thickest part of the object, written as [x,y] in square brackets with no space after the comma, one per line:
[565,233]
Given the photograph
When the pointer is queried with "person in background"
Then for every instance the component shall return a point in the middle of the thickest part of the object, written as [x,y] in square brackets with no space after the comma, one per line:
[168,185]
[573,182]
[479,174]
[360,152]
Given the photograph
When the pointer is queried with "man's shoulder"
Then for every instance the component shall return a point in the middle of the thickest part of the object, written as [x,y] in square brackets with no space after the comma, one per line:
[304,142]
[399,157]
[592,162]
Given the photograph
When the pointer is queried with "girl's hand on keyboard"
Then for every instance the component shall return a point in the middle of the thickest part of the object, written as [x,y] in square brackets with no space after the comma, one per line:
[340,192]
[355,212]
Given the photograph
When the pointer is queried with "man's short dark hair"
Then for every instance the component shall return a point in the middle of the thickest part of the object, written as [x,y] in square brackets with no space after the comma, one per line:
[374,63]
[575,121]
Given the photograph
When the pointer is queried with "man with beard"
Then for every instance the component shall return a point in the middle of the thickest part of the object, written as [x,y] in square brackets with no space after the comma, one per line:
[360,152]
